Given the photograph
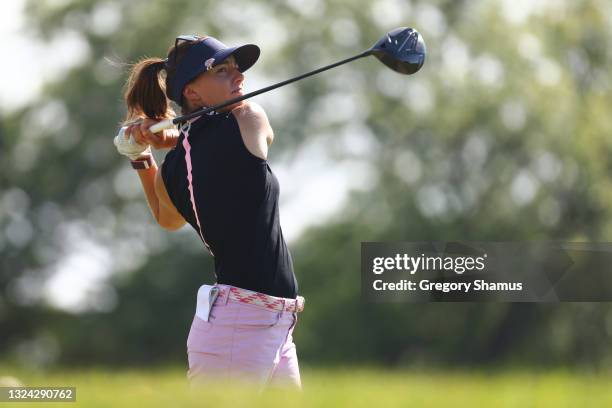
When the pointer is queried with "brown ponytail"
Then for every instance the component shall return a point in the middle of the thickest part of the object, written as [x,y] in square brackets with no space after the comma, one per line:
[145,91]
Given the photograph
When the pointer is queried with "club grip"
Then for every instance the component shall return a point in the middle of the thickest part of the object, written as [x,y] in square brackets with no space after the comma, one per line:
[164,124]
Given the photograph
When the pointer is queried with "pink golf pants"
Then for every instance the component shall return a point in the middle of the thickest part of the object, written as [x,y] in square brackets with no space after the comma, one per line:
[243,342]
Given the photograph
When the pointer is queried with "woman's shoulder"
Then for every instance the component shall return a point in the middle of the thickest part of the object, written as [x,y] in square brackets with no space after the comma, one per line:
[255,128]
[250,113]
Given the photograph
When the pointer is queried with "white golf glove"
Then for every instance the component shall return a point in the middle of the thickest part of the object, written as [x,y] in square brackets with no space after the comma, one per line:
[128,146]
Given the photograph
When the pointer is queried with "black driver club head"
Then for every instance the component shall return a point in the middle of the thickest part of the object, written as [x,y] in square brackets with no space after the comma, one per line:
[402,49]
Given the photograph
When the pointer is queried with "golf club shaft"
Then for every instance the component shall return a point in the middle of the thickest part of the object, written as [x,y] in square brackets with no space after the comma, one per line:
[180,119]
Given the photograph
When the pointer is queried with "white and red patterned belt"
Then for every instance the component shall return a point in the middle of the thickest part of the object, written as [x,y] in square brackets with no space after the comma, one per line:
[261,299]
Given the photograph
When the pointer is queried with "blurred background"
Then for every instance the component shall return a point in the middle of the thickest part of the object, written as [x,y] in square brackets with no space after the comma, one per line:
[502,136]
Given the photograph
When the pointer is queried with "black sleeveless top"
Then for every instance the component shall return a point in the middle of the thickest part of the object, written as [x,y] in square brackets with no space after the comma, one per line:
[235,195]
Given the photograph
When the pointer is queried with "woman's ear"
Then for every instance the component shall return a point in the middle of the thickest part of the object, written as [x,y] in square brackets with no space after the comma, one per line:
[192,97]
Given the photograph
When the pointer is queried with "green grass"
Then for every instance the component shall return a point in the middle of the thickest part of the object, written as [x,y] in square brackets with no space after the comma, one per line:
[355,387]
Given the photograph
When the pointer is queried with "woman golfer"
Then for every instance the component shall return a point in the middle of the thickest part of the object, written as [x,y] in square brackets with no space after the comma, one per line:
[217,178]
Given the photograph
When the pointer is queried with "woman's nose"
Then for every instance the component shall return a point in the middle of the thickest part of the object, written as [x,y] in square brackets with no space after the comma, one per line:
[238,76]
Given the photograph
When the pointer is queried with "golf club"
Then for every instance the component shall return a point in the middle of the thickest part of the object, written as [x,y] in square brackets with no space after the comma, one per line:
[402,49]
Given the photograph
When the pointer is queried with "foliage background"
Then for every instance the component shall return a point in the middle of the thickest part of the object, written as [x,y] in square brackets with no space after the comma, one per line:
[503,135]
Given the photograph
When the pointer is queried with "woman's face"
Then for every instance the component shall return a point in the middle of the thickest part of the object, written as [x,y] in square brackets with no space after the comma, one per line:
[222,82]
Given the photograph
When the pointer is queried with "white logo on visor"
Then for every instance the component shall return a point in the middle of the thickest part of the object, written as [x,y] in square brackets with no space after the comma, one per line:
[208,64]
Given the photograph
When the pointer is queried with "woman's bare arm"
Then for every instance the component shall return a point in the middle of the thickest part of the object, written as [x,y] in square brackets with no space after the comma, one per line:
[162,208]
[255,128]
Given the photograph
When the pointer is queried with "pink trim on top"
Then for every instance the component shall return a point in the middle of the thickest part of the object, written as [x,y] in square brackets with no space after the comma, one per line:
[185,130]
